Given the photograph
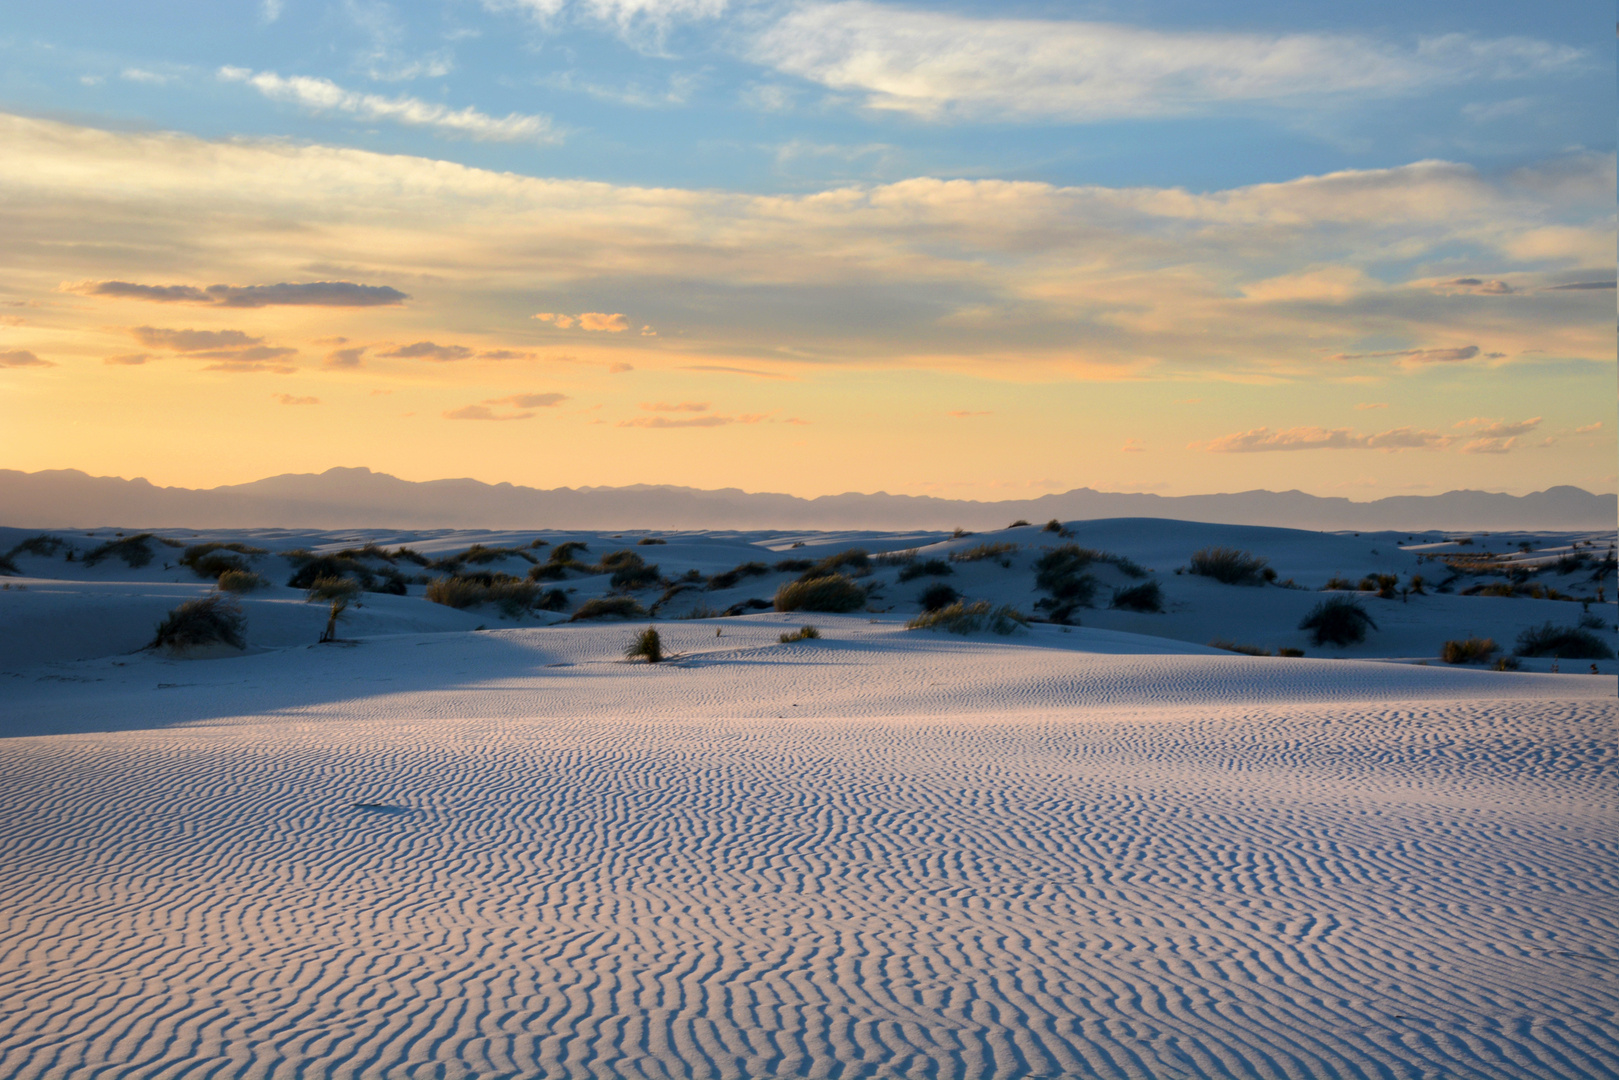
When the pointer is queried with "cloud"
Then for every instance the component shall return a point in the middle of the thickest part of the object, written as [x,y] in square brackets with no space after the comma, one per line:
[1583,285]
[943,65]
[483,412]
[252,354]
[722,369]
[1363,406]
[345,358]
[504,354]
[251,367]
[1495,436]
[619,368]
[691,422]
[1477,285]
[590,320]
[428,350]
[290,399]
[22,358]
[530,401]
[683,406]
[128,359]
[287,294]
[1314,438]
[1418,356]
[1588,428]
[141,76]
[962,414]
[186,341]
[1133,446]
[322,95]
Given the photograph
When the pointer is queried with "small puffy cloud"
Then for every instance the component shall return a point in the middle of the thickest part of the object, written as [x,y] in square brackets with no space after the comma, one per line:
[1314,438]
[483,412]
[601,321]
[22,358]
[286,294]
[323,95]
[345,358]
[186,341]
[140,75]
[529,401]
[293,399]
[679,406]
[428,350]
[1417,356]
[254,354]
[503,354]
[1588,428]
[130,359]
[1495,436]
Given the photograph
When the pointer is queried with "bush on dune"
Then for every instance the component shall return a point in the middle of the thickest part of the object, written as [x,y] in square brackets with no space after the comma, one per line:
[963,618]
[1000,552]
[647,645]
[832,593]
[1232,646]
[134,550]
[312,568]
[729,579]
[603,607]
[629,571]
[1562,642]
[1061,572]
[649,541]
[1148,597]
[937,596]
[44,545]
[1338,620]
[855,561]
[457,592]
[214,619]
[793,566]
[925,568]
[242,581]
[1230,566]
[333,588]
[803,633]
[1473,650]
[7,566]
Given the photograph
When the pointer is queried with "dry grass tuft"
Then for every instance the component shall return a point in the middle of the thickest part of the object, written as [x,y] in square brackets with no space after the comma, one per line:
[605,607]
[963,618]
[832,593]
[1473,650]
[1230,566]
[647,645]
[214,619]
[803,633]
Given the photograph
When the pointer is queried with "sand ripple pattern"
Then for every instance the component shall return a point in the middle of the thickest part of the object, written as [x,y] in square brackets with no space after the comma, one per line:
[1337,889]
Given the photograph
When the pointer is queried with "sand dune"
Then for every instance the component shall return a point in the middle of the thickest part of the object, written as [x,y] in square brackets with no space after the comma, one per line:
[880,854]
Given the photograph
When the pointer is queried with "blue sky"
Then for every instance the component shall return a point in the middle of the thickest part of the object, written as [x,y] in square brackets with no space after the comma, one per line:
[815,246]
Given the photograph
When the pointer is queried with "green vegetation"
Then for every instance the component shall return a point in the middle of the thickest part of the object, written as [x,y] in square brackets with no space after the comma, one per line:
[602,607]
[963,618]
[1146,597]
[1472,650]
[135,550]
[313,567]
[648,541]
[647,645]
[1562,642]
[242,581]
[831,593]
[629,571]
[215,619]
[1337,620]
[803,633]
[1061,572]
[1231,567]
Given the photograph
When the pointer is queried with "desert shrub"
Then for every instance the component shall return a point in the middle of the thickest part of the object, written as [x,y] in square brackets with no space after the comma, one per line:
[551,571]
[1416,585]
[314,567]
[646,645]
[539,542]
[1386,586]
[1232,646]
[936,596]
[649,541]
[7,566]
[1570,563]
[215,619]
[1499,588]
[410,555]
[1562,642]
[925,568]
[629,571]
[833,593]
[703,611]
[1018,524]
[1506,663]
[1339,583]
[729,578]
[209,567]
[854,561]
[803,633]
[744,606]
[457,592]
[44,545]
[982,551]
[552,600]
[1053,526]
[332,588]
[1337,620]
[963,618]
[793,566]
[513,595]
[1147,597]
[563,552]
[241,581]
[1060,572]
[1472,650]
[1287,651]
[478,555]
[135,550]
[1229,566]
[958,532]
[602,607]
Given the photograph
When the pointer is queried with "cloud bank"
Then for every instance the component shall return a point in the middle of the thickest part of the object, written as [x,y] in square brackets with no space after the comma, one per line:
[304,294]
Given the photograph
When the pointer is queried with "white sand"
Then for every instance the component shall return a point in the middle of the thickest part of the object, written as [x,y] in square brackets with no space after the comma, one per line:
[885,853]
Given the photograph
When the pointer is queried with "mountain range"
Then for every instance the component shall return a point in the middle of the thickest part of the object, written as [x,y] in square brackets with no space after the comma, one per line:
[359,498]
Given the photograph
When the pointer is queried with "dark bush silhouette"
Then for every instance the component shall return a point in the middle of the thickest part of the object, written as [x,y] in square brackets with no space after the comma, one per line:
[925,568]
[7,566]
[1061,572]
[1337,620]
[1001,552]
[134,550]
[44,545]
[833,593]
[629,571]
[1286,651]
[603,607]
[1232,646]
[214,619]
[1230,566]
[1471,650]
[936,596]
[1562,642]
[793,566]
[647,645]
[854,561]
[241,581]
[730,578]
[963,618]
[1148,597]
[333,588]
[648,541]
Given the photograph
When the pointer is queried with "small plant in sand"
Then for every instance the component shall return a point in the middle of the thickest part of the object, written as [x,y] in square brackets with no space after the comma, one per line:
[1061,572]
[1230,566]
[803,633]
[964,618]
[1287,651]
[135,550]
[1506,663]
[853,562]
[333,588]
[242,581]
[457,592]
[1562,643]
[44,545]
[1018,524]
[629,571]
[925,568]
[1472,650]
[1000,552]
[728,579]
[215,619]
[608,607]
[793,566]
[339,605]
[647,646]
[833,593]
[936,596]
[649,541]
[1337,620]
[1232,646]
[1148,597]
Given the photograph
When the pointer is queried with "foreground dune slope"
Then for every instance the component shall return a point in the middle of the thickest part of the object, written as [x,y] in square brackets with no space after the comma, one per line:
[880,854]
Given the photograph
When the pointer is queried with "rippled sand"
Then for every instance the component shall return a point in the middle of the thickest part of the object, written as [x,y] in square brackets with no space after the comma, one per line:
[881,854]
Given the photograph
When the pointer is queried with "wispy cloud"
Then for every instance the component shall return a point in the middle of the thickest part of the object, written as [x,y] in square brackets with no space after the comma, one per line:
[524,404]
[726,370]
[323,95]
[1420,356]
[1314,438]
[293,399]
[186,341]
[679,406]
[692,421]
[128,359]
[429,350]
[286,294]
[1583,285]
[22,358]
[1495,436]
[611,323]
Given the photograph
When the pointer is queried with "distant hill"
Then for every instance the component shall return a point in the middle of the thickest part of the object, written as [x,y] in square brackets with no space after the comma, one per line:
[360,498]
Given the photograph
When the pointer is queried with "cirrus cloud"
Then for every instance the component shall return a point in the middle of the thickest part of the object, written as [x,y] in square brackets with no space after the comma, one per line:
[1264,439]
[285,294]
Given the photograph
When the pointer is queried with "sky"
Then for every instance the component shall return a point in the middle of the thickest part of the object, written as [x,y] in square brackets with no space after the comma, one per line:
[965,249]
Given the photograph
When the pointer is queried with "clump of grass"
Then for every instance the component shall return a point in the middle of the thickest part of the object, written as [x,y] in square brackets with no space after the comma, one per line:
[855,561]
[411,555]
[242,581]
[1018,524]
[629,571]
[1506,663]
[197,552]
[604,607]
[1288,651]
[1147,597]
[1232,646]
[803,633]
[831,593]
[728,579]
[1561,642]
[987,550]
[925,568]
[333,588]
[958,532]
[701,611]
[513,595]
[1337,620]
[457,592]
[312,568]
[1061,572]
[1230,566]
[1339,583]
[938,595]
[649,541]
[135,550]
[646,645]
[215,619]
[964,618]
[7,566]
[43,545]
[793,566]
[1472,650]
